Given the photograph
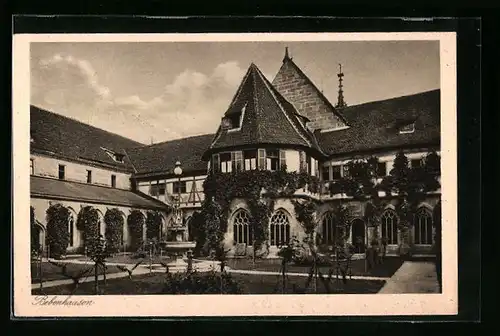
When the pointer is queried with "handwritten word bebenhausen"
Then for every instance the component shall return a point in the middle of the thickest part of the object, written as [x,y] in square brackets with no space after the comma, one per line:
[45,300]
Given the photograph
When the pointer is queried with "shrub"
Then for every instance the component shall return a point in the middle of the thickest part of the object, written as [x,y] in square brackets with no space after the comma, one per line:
[201,283]
[57,230]
[153,224]
[114,229]
[88,222]
[135,222]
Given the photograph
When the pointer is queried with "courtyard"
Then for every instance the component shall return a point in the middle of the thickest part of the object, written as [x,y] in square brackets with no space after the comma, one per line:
[262,276]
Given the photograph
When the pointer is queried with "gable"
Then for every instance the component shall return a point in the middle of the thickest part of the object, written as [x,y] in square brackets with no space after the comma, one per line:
[298,89]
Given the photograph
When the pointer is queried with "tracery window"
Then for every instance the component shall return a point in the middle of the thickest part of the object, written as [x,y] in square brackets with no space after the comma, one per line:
[329,228]
[242,233]
[280,228]
[389,226]
[422,226]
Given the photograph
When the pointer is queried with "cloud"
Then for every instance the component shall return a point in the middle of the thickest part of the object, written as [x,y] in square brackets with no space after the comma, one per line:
[192,103]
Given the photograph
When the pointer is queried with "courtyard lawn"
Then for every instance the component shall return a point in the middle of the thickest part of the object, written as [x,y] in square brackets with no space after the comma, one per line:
[251,284]
[127,259]
[387,269]
[52,272]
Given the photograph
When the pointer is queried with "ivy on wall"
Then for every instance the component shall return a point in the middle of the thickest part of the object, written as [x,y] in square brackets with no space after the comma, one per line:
[135,222]
[88,223]
[35,242]
[259,188]
[114,229]
[57,230]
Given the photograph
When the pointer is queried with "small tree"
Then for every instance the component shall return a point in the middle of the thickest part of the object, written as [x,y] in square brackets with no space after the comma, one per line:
[35,239]
[153,225]
[114,229]
[135,222]
[197,231]
[57,230]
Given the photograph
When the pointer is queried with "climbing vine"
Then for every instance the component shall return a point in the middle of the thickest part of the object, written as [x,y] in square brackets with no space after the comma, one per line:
[57,230]
[135,222]
[259,188]
[153,224]
[114,229]
[35,243]
[88,223]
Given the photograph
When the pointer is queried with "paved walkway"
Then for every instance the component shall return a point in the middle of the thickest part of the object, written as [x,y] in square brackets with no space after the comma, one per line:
[413,277]
[354,277]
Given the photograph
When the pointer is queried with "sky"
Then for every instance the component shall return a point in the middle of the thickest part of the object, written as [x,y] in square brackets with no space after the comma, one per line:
[158,91]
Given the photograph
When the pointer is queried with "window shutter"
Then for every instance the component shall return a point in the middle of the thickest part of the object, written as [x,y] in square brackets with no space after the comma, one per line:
[262,159]
[282,159]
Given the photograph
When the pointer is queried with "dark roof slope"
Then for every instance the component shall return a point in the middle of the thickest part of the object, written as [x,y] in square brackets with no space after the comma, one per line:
[161,157]
[375,125]
[268,117]
[54,133]
[66,190]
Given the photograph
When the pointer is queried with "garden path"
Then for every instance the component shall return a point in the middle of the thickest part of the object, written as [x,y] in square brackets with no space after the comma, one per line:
[413,277]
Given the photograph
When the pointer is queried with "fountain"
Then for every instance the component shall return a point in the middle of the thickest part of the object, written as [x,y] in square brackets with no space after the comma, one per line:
[177,232]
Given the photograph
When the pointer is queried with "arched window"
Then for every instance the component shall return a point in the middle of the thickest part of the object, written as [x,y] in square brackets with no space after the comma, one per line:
[422,226]
[241,228]
[389,226]
[280,228]
[329,227]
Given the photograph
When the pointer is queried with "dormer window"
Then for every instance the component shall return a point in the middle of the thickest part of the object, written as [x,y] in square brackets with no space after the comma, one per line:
[117,157]
[234,120]
[409,128]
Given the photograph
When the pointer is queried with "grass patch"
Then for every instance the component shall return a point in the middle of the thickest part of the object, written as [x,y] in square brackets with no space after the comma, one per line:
[252,284]
[387,269]
[52,272]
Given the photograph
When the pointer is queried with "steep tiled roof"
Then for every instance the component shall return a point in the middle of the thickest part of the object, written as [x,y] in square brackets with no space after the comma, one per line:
[56,134]
[295,86]
[161,157]
[66,190]
[375,125]
[267,119]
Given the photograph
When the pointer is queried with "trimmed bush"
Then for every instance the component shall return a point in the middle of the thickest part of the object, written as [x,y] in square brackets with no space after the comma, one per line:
[135,222]
[114,229]
[88,222]
[57,230]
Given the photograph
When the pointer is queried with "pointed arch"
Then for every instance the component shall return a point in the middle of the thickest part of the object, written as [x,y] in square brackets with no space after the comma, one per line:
[358,234]
[242,232]
[279,227]
[329,228]
[389,226]
[422,226]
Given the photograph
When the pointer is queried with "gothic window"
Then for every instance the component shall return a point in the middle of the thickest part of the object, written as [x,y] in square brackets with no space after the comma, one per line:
[242,233]
[280,228]
[389,226]
[329,229]
[422,226]
[32,167]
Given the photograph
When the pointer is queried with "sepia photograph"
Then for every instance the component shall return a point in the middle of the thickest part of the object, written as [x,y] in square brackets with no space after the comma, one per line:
[287,167]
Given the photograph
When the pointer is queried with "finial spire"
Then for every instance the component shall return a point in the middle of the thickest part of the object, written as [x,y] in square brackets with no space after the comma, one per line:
[340,103]
[287,56]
